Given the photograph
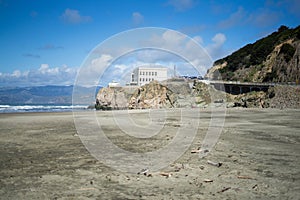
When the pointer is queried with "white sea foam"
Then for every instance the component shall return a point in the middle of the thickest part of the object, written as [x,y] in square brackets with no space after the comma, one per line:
[40,108]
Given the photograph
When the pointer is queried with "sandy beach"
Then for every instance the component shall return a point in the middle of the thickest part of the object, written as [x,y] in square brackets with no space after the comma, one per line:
[42,157]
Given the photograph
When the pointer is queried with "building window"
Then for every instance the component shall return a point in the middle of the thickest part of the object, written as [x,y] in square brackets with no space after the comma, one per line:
[152,73]
[143,73]
[143,79]
[155,73]
[140,73]
[140,79]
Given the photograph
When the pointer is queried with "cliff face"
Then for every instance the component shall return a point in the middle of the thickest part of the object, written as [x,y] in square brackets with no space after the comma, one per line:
[193,94]
[153,95]
[275,58]
[169,94]
[113,98]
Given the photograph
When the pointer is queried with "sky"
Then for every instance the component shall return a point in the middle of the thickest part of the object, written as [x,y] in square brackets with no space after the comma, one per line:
[48,42]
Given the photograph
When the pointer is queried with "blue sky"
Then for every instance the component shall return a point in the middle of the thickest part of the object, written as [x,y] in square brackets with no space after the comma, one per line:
[45,42]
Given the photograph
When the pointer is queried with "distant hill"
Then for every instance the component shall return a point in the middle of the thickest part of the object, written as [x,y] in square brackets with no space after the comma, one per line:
[275,58]
[36,95]
[41,94]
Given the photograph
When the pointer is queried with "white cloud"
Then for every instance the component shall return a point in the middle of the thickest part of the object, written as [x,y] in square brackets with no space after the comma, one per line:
[16,73]
[179,44]
[198,39]
[185,47]
[182,5]
[137,18]
[234,19]
[90,73]
[120,69]
[161,47]
[172,39]
[216,48]
[99,64]
[44,69]
[45,75]
[219,39]
[73,17]
[169,40]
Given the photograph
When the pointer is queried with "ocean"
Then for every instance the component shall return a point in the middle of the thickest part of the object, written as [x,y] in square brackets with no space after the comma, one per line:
[41,108]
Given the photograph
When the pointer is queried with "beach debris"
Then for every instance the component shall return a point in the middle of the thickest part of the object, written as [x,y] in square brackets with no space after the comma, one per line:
[217,164]
[224,189]
[166,174]
[208,180]
[198,150]
[205,151]
[143,171]
[255,187]
[178,167]
[245,177]
[108,177]
[195,150]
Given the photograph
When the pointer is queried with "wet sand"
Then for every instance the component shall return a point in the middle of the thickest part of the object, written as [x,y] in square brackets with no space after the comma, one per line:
[42,157]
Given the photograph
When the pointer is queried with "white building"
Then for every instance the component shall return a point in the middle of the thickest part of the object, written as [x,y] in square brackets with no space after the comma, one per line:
[144,75]
[113,84]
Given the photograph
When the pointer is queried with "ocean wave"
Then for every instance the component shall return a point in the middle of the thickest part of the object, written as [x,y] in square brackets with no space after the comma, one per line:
[40,108]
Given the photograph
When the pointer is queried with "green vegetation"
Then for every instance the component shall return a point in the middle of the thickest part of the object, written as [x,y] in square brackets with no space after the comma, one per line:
[254,54]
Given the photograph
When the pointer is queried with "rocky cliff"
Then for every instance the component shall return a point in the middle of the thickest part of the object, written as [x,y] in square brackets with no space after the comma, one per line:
[191,95]
[114,98]
[152,95]
[174,93]
[275,58]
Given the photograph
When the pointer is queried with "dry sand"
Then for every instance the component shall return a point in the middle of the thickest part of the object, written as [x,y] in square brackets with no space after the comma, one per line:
[42,158]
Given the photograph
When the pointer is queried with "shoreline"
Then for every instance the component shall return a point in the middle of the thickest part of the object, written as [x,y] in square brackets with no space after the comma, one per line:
[145,110]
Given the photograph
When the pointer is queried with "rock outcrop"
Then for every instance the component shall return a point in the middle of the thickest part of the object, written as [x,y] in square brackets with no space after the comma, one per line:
[284,97]
[249,100]
[281,96]
[114,98]
[152,95]
[185,94]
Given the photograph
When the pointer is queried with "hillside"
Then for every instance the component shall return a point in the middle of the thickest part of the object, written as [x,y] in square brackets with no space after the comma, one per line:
[275,58]
[50,94]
